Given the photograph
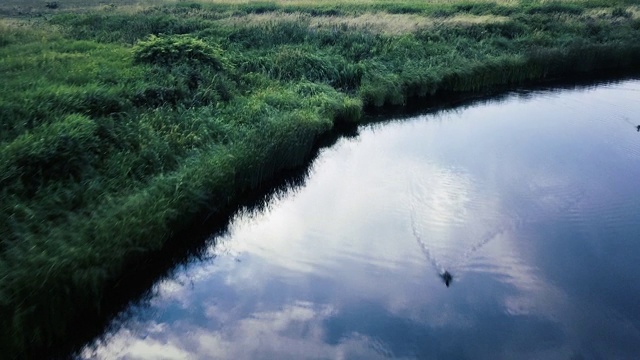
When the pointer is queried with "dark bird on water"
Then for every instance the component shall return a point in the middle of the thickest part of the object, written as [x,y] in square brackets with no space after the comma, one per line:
[446,277]
[638,128]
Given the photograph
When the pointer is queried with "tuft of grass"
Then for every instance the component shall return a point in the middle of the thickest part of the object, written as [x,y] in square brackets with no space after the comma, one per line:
[64,149]
[170,50]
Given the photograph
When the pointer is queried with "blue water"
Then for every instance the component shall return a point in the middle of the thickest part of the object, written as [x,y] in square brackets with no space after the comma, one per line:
[531,202]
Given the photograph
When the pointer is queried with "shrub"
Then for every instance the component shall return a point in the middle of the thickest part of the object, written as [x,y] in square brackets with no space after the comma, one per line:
[167,50]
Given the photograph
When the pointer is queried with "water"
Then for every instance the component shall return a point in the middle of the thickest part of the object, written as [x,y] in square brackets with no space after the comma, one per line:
[531,202]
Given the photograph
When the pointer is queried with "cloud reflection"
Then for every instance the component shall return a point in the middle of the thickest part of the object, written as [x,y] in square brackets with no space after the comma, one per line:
[347,267]
[296,331]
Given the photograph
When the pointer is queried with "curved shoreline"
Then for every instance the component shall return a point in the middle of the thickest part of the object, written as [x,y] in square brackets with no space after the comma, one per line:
[190,240]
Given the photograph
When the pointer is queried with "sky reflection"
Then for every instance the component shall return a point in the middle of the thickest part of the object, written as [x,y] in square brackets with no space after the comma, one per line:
[531,202]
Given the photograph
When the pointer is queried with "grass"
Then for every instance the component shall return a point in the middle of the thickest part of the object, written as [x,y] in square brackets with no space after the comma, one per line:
[119,124]
[383,23]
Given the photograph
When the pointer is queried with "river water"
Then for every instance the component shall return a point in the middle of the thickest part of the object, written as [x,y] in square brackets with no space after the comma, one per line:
[531,202]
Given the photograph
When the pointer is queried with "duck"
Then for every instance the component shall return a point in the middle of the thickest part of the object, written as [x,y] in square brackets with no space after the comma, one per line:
[446,277]
[638,128]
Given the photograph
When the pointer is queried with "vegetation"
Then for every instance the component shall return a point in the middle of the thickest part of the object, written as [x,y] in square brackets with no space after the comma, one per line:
[118,124]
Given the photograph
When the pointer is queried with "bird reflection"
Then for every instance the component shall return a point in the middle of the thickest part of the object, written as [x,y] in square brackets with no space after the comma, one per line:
[446,277]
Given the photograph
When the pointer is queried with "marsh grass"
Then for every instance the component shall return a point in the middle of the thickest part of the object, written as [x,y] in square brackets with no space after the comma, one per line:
[120,124]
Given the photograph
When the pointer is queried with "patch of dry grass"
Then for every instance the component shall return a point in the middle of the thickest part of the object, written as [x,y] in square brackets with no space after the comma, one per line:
[8,24]
[396,24]
[37,8]
[369,2]
[633,11]
[26,7]
[353,2]
[27,29]
[392,24]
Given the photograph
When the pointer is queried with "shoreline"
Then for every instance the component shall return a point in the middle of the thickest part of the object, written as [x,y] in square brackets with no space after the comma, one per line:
[136,283]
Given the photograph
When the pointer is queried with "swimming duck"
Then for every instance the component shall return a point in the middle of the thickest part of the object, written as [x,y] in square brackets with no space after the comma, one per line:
[446,277]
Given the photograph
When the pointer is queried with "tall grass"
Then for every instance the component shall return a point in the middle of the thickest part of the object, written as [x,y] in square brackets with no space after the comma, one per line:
[118,127]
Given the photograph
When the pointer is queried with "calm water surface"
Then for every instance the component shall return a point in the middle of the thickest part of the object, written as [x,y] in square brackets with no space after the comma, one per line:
[531,202]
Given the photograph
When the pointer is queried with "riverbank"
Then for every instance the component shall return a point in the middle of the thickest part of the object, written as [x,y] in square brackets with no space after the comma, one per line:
[119,124]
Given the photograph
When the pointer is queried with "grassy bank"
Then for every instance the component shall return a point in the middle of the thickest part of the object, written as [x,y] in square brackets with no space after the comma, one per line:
[119,123]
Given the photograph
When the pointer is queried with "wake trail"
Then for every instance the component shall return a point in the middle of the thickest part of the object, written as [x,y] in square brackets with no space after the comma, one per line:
[423,246]
[458,262]
[486,239]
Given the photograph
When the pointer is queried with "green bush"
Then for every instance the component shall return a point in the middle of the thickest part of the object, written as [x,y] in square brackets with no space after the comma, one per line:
[173,49]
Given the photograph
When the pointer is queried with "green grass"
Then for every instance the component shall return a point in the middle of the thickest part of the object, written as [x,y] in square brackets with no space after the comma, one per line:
[118,125]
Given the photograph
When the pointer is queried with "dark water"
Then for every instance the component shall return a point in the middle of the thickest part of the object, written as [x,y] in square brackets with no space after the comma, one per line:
[531,202]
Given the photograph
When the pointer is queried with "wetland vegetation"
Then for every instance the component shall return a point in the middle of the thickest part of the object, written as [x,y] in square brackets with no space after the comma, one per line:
[120,123]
